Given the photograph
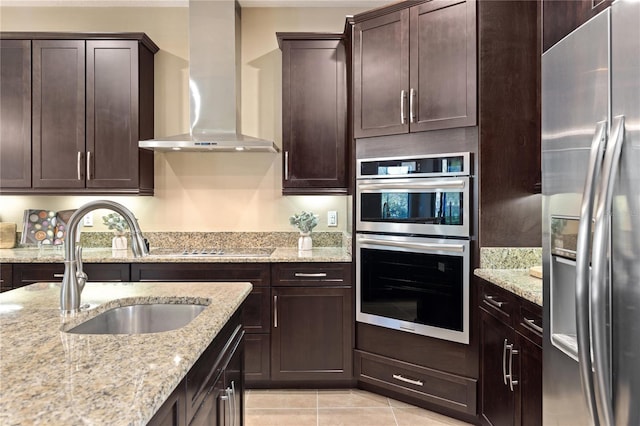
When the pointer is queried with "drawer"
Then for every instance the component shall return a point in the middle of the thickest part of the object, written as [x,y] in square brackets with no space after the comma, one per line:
[498,302]
[443,389]
[255,273]
[529,321]
[296,274]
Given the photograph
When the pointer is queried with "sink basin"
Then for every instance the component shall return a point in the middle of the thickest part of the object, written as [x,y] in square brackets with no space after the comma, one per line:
[140,319]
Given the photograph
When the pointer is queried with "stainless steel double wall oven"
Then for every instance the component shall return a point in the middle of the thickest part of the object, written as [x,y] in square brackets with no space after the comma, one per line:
[413,218]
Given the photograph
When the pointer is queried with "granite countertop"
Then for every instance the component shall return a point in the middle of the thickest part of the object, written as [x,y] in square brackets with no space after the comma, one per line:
[508,267]
[517,281]
[49,376]
[103,255]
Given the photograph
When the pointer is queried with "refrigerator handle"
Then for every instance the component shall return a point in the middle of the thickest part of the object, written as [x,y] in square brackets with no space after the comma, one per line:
[583,257]
[599,278]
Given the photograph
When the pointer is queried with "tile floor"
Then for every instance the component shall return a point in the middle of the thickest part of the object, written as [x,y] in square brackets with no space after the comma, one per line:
[343,407]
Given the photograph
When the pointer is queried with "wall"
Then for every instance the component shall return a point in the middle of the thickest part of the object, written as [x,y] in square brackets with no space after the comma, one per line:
[199,192]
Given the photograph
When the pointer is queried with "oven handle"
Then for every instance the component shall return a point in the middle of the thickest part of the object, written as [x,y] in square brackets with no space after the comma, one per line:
[408,184]
[456,248]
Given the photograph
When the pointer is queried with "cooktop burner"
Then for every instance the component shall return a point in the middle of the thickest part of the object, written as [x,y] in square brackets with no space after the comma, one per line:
[214,252]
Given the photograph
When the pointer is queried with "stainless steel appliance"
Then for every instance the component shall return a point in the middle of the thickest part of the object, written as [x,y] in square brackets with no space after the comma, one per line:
[412,244]
[426,195]
[414,284]
[591,221]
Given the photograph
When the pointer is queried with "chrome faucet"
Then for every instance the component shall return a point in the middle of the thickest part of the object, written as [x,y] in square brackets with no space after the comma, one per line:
[74,277]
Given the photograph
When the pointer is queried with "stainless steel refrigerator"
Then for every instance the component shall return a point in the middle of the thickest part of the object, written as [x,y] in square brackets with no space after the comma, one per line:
[591,222]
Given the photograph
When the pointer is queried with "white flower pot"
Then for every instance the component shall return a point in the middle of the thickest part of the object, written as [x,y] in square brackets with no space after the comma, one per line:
[304,242]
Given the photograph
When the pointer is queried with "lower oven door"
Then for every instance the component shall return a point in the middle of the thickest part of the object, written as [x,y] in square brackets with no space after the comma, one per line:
[414,284]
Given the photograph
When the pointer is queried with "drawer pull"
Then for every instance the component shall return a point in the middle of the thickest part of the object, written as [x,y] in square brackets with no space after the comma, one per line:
[532,323]
[58,275]
[310,275]
[411,381]
[490,300]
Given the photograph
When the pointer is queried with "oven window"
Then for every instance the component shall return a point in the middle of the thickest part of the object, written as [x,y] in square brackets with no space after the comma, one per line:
[413,287]
[412,207]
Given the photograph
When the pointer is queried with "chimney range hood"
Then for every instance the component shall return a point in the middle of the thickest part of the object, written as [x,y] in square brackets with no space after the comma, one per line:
[214,83]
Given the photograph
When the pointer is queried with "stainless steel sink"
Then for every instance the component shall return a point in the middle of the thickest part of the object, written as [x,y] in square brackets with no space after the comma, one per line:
[140,319]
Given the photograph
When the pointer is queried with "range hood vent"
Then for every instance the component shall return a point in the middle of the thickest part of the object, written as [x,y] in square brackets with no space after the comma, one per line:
[214,84]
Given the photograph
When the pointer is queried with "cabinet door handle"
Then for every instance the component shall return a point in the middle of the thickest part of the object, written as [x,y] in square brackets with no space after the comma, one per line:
[79,168]
[88,165]
[512,352]
[412,112]
[58,275]
[311,275]
[504,362]
[491,300]
[532,323]
[223,400]
[275,311]
[406,380]
[233,403]
[286,165]
[403,97]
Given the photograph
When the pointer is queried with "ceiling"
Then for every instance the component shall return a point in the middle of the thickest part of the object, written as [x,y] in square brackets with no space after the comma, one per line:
[184,3]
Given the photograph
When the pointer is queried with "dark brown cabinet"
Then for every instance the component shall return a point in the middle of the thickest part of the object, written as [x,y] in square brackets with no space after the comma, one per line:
[560,17]
[511,358]
[314,113]
[256,313]
[6,280]
[415,69]
[15,113]
[212,393]
[311,335]
[91,101]
[23,274]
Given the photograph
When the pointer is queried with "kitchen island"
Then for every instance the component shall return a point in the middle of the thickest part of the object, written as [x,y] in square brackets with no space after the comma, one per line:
[49,376]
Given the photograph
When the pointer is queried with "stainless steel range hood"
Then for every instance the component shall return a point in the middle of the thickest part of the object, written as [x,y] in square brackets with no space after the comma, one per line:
[214,84]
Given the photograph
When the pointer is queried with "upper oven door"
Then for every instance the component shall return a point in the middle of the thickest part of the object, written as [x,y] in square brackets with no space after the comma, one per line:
[426,206]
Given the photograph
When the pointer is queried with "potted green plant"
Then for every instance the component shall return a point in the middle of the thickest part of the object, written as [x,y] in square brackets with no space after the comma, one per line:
[119,226]
[305,222]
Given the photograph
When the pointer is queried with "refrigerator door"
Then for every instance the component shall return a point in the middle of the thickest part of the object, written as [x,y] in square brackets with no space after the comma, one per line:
[625,220]
[575,98]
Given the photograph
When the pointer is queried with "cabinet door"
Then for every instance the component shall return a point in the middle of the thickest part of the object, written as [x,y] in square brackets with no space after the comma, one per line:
[498,401]
[15,113]
[58,114]
[256,358]
[311,333]
[112,114]
[173,411]
[381,75]
[442,65]
[529,382]
[314,116]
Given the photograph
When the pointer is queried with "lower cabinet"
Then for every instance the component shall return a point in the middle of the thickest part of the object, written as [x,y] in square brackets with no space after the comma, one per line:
[212,391]
[28,273]
[312,327]
[311,334]
[510,358]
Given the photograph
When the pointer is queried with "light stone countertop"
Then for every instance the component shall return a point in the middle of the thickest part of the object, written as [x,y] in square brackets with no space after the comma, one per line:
[103,255]
[517,281]
[48,376]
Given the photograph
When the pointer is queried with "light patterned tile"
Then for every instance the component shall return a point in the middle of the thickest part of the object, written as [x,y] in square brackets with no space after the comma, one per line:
[344,398]
[356,417]
[280,417]
[277,398]
[420,417]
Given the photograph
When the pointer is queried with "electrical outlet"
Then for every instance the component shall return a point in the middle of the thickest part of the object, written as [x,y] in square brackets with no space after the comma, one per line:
[332,218]
[88,219]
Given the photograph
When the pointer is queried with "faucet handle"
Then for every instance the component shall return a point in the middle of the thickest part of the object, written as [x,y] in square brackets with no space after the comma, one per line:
[81,276]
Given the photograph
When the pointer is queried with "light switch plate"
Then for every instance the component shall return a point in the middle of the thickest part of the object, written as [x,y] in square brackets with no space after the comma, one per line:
[332,218]
[88,219]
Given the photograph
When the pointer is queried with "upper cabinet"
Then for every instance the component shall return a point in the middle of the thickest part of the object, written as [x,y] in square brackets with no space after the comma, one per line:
[415,69]
[91,100]
[15,113]
[314,113]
